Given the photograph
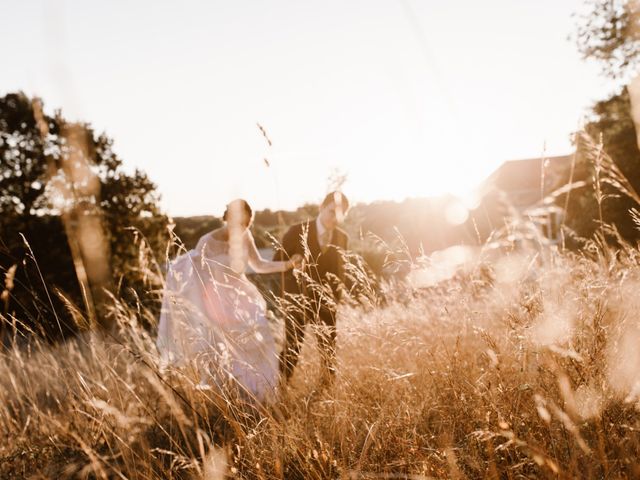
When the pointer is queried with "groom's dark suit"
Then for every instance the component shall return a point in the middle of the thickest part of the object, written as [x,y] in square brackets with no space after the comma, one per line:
[313,294]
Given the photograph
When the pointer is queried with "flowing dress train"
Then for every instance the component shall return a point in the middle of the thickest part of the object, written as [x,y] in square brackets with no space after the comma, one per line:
[214,318]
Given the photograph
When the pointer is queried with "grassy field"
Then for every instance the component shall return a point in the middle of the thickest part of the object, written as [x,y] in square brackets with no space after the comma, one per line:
[525,367]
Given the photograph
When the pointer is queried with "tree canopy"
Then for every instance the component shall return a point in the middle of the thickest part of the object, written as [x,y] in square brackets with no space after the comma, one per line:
[610,34]
[63,189]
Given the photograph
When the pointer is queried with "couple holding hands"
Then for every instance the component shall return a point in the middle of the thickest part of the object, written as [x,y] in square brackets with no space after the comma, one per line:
[214,319]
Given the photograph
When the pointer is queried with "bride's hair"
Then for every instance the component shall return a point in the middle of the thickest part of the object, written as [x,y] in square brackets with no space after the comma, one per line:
[238,205]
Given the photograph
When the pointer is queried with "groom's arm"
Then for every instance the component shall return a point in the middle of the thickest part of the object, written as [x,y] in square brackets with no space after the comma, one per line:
[345,247]
[343,244]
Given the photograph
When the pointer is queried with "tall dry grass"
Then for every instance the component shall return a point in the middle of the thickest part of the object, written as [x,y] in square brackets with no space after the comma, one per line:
[527,366]
[516,369]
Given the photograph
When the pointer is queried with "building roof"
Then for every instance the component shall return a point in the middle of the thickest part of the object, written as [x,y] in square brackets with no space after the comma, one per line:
[527,181]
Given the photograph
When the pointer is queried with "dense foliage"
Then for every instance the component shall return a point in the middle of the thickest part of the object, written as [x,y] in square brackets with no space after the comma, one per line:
[609,33]
[55,176]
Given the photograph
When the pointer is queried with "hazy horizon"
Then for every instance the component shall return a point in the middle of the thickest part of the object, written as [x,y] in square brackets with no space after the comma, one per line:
[408,99]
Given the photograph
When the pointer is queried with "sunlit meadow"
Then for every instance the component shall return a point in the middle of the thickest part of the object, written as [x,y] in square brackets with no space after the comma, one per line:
[512,356]
[520,365]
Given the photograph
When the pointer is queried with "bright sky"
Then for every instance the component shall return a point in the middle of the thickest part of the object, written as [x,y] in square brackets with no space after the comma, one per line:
[406,97]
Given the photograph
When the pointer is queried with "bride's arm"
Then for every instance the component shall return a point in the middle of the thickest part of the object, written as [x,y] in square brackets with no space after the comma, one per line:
[259,264]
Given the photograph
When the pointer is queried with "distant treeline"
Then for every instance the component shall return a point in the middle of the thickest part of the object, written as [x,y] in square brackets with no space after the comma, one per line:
[376,230]
[266,222]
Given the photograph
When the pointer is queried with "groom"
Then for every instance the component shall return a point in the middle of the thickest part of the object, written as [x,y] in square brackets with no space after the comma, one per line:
[313,292]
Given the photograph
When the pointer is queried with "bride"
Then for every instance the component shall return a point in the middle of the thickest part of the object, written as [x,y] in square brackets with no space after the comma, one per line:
[213,317]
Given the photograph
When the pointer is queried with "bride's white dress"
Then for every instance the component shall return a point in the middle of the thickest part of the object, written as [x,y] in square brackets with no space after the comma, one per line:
[214,317]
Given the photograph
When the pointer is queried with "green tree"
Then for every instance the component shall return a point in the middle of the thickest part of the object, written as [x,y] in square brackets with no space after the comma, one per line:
[57,176]
[609,33]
